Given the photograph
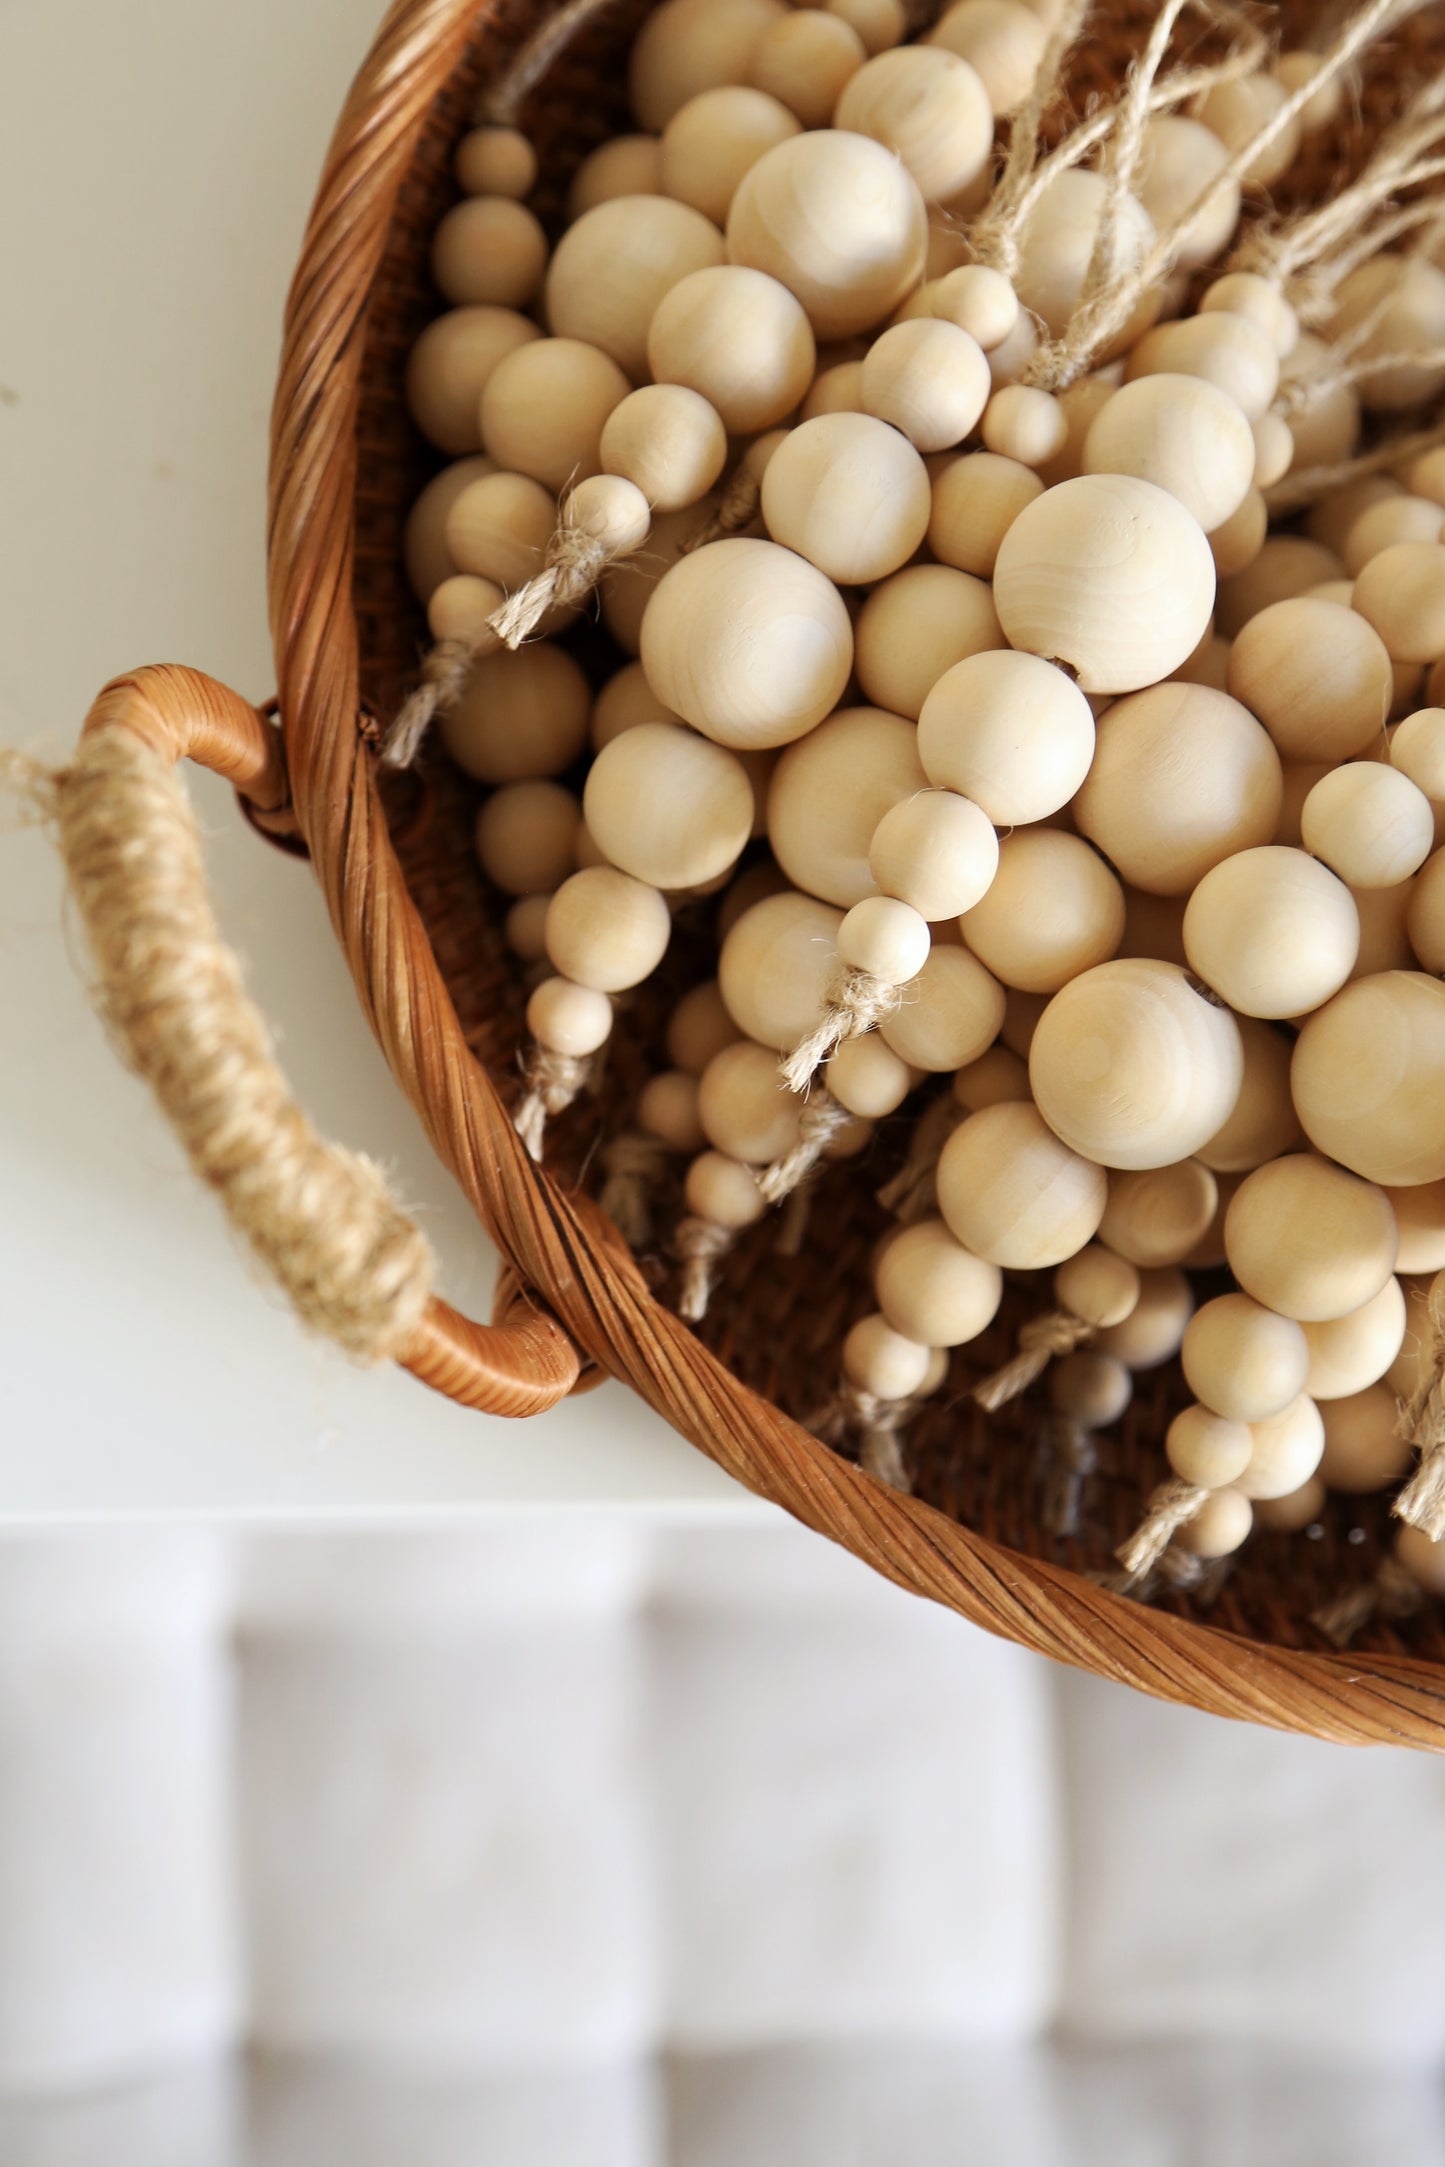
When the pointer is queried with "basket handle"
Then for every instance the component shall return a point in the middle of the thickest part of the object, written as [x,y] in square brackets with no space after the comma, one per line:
[321,1219]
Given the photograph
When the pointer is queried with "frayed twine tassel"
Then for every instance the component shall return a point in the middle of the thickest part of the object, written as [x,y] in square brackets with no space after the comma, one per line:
[911,1194]
[574,563]
[700,1245]
[1392,1596]
[793,1221]
[1422,1420]
[735,509]
[445,674]
[553,1082]
[633,1163]
[1072,1456]
[1309,484]
[1172,1506]
[1041,1340]
[819,1122]
[857,1003]
[876,1423]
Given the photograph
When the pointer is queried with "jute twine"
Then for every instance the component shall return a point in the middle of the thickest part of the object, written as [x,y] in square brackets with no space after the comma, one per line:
[794,1217]
[1422,1421]
[573,565]
[1311,483]
[320,1219]
[508,92]
[912,1192]
[735,509]
[820,1121]
[1056,1333]
[446,672]
[633,1164]
[1391,1595]
[857,1003]
[1172,1506]
[1072,1456]
[553,1082]
[877,1424]
[700,1246]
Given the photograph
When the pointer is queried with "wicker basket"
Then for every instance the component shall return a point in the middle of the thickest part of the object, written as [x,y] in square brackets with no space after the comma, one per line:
[421,934]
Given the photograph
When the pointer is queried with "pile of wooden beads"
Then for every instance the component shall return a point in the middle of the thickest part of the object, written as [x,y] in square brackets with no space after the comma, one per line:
[930,513]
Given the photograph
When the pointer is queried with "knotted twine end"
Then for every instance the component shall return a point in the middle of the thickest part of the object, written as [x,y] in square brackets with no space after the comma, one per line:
[633,1163]
[820,1121]
[911,1193]
[574,563]
[1172,1506]
[700,1245]
[1422,1421]
[735,509]
[877,1424]
[445,672]
[1391,1595]
[553,1082]
[857,1003]
[1058,1332]
[1072,1457]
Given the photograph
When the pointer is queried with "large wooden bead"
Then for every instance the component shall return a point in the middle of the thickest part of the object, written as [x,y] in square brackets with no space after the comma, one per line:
[927,107]
[1369,823]
[625,702]
[776,965]
[612,267]
[1011,1192]
[424,545]
[1243,1361]
[1180,160]
[747,642]
[525,836]
[1108,575]
[1401,591]
[1159,1216]
[1181,433]
[723,1191]
[1317,676]
[448,368]
[976,499]
[1009,731]
[828,794]
[1347,1353]
[460,607]
[883,1362]
[1154,1328]
[1420,1216]
[1003,42]
[667,806]
[932,1289]
[1239,109]
[1364,1449]
[935,850]
[839,221]
[1425,915]
[1225,350]
[1368,1077]
[570,1019]
[628,586]
[1053,909]
[950,1013]
[688,46]
[1260,302]
[630,165]
[1090,1388]
[1183,777]
[712,141]
[1097,1287]
[1207,1448]
[929,379]
[804,61]
[1134,1068]
[1308,1239]
[489,249]
[868,1078]
[607,930]
[543,410]
[849,494]
[668,441]
[522,715]
[1058,245]
[737,337]
[1220,1527]
[1272,931]
[1263,1122]
[745,1107]
[1285,1451]
[914,626]
[1025,424]
[499,527]
[699,1027]
[1396,305]
[979,300]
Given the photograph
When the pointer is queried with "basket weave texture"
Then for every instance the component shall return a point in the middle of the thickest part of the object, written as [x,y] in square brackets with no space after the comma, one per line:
[422,936]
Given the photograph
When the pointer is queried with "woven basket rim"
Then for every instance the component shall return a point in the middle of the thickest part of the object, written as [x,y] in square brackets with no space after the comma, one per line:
[559,1244]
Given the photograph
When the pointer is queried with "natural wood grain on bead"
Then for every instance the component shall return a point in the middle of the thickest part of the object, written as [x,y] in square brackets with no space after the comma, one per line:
[614,264]
[850,494]
[1272,931]
[668,806]
[688,46]
[1002,41]
[776,965]
[829,792]
[1309,1239]
[994,1077]
[569,1019]
[1263,1122]
[1052,910]
[838,221]
[1013,1193]
[1350,1352]
[667,440]
[1207,1449]
[522,715]
[1220,1527]
[739,339]
[1009,731]
[607,930]
[949,1015]
[935,850]
[712,141]
[804,60]
[499,527]
[930,1288]
[1368,1077]
[1242,1360]
[449,367]
[917,624]
[543,410]
[1154,1328]
[1160,1215]
[745,1108]
[630,165]
[929,108]
[1183,434]
[929,379]
[1369,824]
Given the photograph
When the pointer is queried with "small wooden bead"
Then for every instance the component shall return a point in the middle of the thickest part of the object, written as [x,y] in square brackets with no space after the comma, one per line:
[569,1019]
[1179,161]
[1369,1078]
[1058,242]
[994,1078]
[1132,1067]
[1236,111]
[489,249]
[1220,1527]
[499,527]
[976,500]
[1260,302]
[1273,932]
[1364,1449]
[627,587]
[630,165]
[882,1362]
[1227,351]
[1263,1122]
[1097,1287]
[1154,1328]
[1273,450]
[837,219]
[1243,1361]
[428,560]
[723,1191]
[1002,41]
[930,1288]
[1108,575]
[849,494]
[1053,909]
[668,441]
[1206,1448]
[838,390]
[543,410]
[624,703]
[914,626]
[929,379]
[525,836]
[607,930]
[669,807]
[935,850]
[687,46]
[496,162]
[979,301]
[1159,1216]
[1394,305]
[449,367]
[612,267]
[930,109]
[1009,731]
[828,794]
[1286,565]
[1347,1353]
[747,642]
[884,938]
[1330,519]
[745,1107]
[699,1027]
[525,927]
[1181,433]
[460,606]
[1422,1559]
[1401,592]
[1317,676]
[739,339]
[522,715]
[1298,1509]
[951,1013]
[667,1109]
[1013,1193]
[712,141]
[1026,425]
[804,60]
[867,1077]
[1286,1450]
[1090,1388]
[776,965]
[609,510]
[879,23]
[1308,1239]
[1388,524]
[1425,915]
[1369,824]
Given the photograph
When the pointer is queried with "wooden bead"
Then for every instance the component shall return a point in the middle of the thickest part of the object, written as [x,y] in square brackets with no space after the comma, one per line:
[668,441]
[1327,428]
[1002,41]
[543,410]
[837,219]
[1090,1388]
[1401,592]
[1364,1449]
[489,249]
[1260,302]
[996,1076]
[1243,1361]
[522,715]
[1393,305]
[976,500]
[1207,1449]
[669,807]
[1058,241]
[1390,523]
[1238,541]
[624,703]
[569,1019]
[776,965]
[1308,1239]
[1220,1527]
[1154,1328]
[499,528]
[1425,915]
[525,836]
[448,369]
[914,626]
[1263,1122]
[1013,1193]
[1009,731]
[525,927]
[610,270]
[804,60]
[699,1027]
[1008,360]
[1350,1352]
[630,165]
[496,162]
[1369,1078]
[1179,161]
[739,339]
[1369,824]
[828,794]
[1286,1450]
[951,1013]
[927,107]
[1317,676]
[1181,433]
[1182,778]
[879,23]
[838,390]
[1422,1559]
[747,642]
[929,379]
[1286,565]
[712,141]
[1097,1287]
[930,1288]
[1025,425]
[1227,351]
[1159,1216]
[884,938]
[1330,519]
[977,300]
[1236,111]
[935,850]
[882,1362]
[1298,1509]
[1420,1217]
[1417,749]
[687,46]
[1292,70]
[667,1109]
[1053,909]
[1273,932]
[868,1078]
[1108,575]
[1132,1067]
[849,494]
[723,1191]
[627,587]
[745,1107]
[1273,450]
[428,560]
[606,930]
[460,606]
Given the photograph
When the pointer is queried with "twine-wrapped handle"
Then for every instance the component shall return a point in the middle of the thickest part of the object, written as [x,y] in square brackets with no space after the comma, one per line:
[322,1220]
